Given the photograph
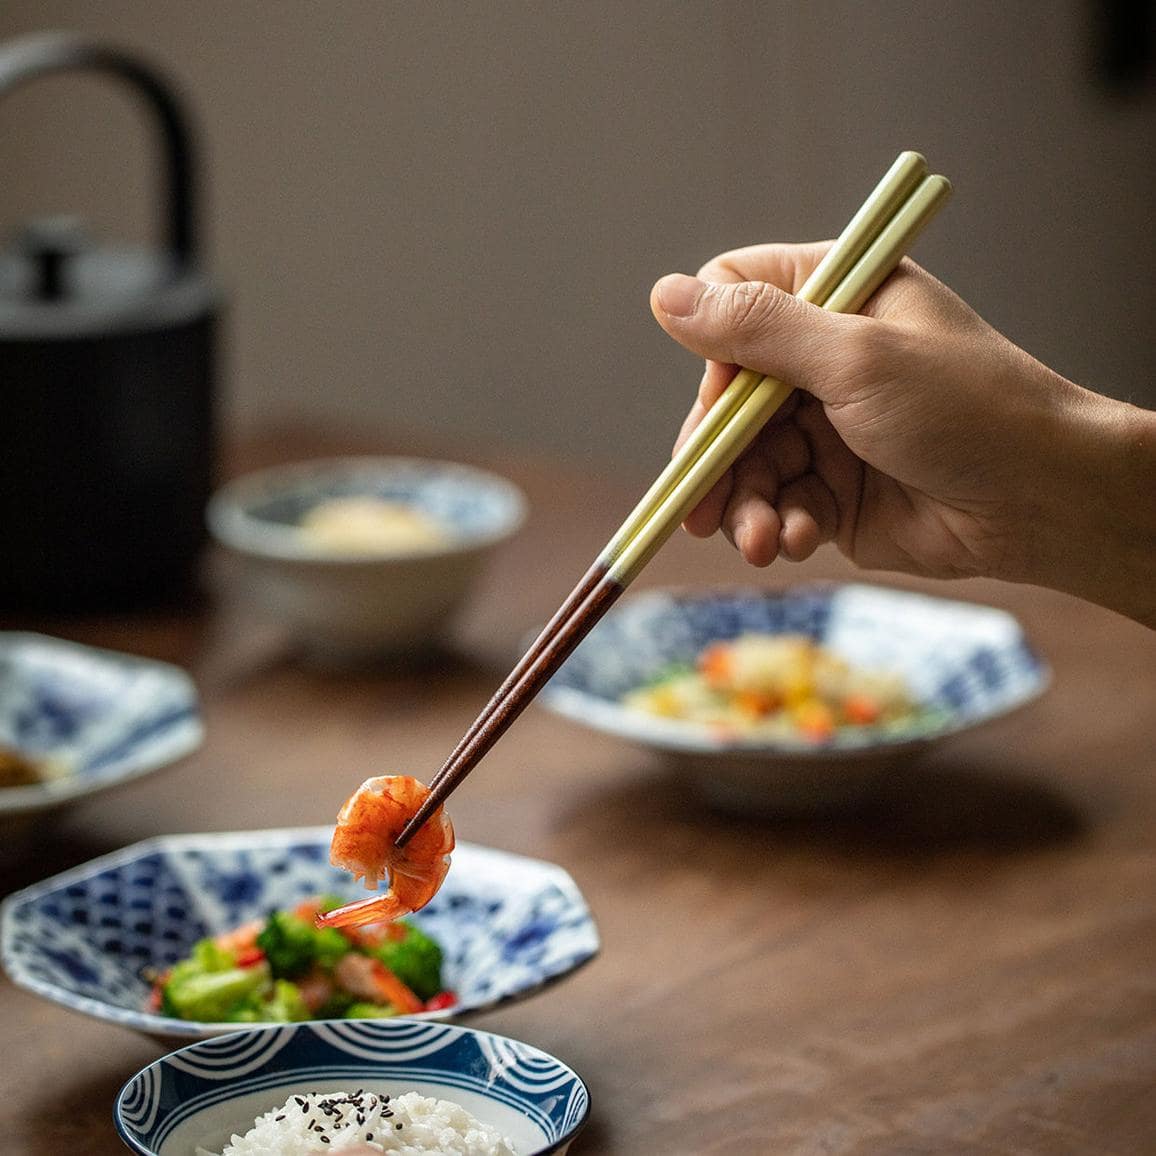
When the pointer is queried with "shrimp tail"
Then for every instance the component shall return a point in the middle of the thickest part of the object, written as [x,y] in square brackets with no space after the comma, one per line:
[380,909]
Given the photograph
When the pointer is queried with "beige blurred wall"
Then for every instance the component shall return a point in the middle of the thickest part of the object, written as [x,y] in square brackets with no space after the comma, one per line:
[448,216]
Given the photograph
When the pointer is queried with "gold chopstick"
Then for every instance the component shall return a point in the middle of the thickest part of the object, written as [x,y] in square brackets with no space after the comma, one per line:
[849,296]
[880,239]
[897,184]
[893,189]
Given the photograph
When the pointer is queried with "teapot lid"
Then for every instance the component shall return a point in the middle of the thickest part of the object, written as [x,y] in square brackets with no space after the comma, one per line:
[55,284]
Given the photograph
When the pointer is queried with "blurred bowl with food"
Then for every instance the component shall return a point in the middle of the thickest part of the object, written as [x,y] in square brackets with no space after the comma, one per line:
[362,557]
[77,720]
[798,698]
[392,1086]
[191,936]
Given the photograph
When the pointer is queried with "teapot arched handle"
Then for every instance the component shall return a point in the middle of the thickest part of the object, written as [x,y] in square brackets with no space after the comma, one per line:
[28,57]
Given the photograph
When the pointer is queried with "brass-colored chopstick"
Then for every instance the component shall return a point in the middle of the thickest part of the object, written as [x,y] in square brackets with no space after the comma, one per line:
[852,293]
[893,189]
[650,524]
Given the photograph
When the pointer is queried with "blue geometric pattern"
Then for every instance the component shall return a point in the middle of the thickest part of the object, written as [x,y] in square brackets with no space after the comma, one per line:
[508,924]
[192,1088]
[965,663]
[473,505]
[102,717]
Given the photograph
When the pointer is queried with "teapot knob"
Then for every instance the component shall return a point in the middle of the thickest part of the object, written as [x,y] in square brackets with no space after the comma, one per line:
[48,243]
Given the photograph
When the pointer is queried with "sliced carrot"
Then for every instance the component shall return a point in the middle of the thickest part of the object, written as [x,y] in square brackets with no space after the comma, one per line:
[756,703]
[242,938]
[714,664]
[861,710]
[814,719]
[249,956]
[393,991]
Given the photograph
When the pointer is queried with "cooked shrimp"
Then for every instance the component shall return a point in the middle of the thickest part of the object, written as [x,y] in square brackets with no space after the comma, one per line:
[364,844]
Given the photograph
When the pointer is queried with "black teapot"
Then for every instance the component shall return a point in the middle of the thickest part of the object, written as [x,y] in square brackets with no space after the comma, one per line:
[106,385]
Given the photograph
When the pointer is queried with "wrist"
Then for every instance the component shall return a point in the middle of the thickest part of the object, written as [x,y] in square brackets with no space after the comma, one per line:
[1098,537]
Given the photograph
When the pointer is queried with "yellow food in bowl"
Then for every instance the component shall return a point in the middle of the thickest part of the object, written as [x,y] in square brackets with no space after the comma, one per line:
[366,525]
[780,685]
[16,770]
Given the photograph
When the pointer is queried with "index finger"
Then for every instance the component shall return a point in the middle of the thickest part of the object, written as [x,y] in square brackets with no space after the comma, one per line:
[785,266]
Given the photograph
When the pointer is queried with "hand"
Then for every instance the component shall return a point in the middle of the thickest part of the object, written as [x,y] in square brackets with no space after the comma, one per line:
[922,440]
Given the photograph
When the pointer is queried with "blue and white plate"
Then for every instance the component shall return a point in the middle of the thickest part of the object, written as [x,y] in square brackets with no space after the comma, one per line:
[965,663]
[509,925]
[95,717]
[200,1096]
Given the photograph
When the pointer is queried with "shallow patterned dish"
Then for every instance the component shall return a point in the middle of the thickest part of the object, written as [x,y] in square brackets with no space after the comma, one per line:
[965,663]
[509,925]
[101,717]
[204,1093]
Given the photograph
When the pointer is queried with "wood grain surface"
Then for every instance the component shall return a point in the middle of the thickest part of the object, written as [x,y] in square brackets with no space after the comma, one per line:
[964,965]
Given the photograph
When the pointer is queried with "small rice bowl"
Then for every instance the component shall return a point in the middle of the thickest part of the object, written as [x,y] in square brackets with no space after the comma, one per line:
[363,1123]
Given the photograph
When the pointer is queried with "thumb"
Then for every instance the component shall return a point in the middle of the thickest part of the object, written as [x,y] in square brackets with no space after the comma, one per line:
[756,325]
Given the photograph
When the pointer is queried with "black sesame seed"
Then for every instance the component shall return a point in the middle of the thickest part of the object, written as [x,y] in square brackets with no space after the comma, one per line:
[324,1139]
[398,1126]
[281,1117]
[368,1137]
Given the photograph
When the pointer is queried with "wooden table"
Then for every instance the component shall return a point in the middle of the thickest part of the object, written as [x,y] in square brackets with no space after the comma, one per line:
[968,967]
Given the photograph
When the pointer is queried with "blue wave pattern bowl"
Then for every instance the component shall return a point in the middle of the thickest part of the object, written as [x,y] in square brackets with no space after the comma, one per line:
[203,1094]
[508,925]
[964,662]
[99,717]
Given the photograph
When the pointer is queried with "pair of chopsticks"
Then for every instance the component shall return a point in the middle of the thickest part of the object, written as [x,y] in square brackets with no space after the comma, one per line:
[865,254]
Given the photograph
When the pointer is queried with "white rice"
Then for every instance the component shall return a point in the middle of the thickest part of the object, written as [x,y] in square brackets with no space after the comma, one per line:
[362,1123]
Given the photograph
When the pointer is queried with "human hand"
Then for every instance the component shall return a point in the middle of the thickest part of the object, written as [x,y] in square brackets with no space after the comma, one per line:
[921,439]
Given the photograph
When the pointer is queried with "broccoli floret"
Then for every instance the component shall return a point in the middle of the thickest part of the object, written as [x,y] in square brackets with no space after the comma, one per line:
[336,1005]
[293,945]
[369,1011]
[207,956]
[205,959]
[285,1004]
[211,996]
[416,960]
[281,1003]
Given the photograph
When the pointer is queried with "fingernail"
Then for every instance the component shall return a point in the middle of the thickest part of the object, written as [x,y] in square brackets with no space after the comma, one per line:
[678,294]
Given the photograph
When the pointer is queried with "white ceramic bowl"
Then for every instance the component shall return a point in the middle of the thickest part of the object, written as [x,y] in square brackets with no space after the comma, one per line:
[203,1094]
[964,662]
[354,605]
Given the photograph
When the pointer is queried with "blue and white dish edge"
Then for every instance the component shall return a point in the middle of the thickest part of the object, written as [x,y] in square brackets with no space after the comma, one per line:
[510,925]
[203,1093]
[104,716]
[967,662]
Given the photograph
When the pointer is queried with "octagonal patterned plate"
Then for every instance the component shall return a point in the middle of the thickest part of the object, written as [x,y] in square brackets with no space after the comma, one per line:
[509,925]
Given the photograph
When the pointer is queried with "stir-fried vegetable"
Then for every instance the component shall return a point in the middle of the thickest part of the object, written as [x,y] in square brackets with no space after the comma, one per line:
[415,959]
[284,969]
[293,945]
[784,686]
[212,996]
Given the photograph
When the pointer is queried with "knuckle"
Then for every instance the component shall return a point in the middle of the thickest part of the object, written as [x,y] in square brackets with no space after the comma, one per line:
[750,306]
